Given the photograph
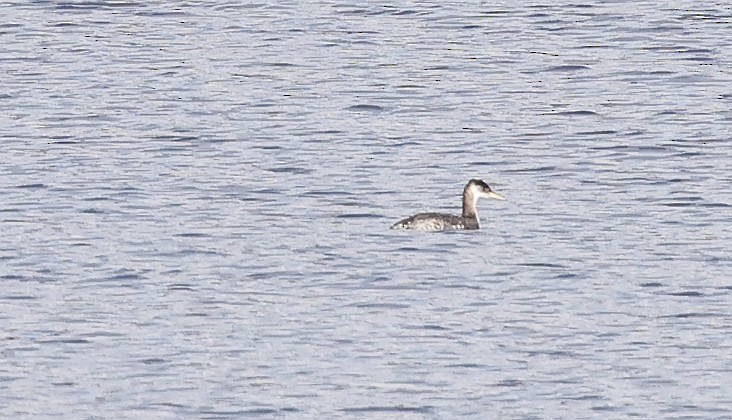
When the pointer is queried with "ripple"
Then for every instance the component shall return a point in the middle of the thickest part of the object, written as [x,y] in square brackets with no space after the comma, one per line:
[577,113]
[687,294]
[387,409]
[694,315]
[365,108]
[566,68]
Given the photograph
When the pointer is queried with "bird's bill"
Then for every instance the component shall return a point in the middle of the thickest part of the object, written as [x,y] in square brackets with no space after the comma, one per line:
[495,195]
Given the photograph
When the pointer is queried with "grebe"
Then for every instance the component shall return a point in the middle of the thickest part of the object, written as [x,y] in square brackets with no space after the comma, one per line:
[474,189]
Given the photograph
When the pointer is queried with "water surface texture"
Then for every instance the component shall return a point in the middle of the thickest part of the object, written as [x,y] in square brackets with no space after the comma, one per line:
[195,201]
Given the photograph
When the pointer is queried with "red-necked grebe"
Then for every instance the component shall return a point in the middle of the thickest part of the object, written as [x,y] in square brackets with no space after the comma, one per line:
[474,189]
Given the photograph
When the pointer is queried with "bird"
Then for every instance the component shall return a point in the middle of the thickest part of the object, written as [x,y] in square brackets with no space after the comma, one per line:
[474,189]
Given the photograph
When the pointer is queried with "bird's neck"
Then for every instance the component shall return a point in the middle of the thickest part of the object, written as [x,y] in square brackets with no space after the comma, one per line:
[470,199]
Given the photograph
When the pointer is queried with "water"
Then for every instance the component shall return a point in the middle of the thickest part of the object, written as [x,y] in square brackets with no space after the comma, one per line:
[196,199]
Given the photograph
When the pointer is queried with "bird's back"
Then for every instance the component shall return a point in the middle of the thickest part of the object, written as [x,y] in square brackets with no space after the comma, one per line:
[436,221]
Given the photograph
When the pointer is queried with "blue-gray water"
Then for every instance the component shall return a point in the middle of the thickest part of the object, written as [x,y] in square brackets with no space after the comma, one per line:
[195,200]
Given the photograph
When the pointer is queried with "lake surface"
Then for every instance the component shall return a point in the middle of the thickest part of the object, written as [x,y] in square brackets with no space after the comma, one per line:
[195,201]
